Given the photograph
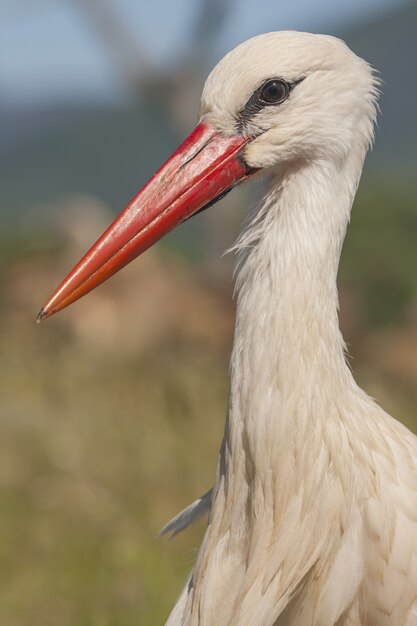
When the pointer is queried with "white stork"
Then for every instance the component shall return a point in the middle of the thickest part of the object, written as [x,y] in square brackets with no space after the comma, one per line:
[313,514]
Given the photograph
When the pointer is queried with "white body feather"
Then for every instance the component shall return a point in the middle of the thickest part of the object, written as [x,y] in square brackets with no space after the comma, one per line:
[313,519]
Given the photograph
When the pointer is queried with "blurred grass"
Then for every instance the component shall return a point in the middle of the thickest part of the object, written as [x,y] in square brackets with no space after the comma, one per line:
[111,414]
[93,461]
[104,438]
[380,252]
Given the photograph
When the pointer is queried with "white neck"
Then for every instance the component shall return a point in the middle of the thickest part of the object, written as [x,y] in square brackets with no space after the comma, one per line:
[288,367]
[290,389]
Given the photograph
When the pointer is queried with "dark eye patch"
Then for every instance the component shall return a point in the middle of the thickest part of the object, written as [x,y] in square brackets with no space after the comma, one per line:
[272,92]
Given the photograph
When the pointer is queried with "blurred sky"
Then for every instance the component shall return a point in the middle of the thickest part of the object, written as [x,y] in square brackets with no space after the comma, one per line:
[48,52]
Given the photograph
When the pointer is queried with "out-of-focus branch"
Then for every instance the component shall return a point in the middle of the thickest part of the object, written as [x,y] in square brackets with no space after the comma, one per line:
[133,65]
[129,61]
[210,19]
[193,65]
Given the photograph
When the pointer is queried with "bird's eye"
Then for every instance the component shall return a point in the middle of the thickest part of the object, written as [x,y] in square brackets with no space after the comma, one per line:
[274,91]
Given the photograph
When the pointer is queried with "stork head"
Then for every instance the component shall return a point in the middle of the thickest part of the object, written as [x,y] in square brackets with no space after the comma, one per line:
[275,99]
[295,95]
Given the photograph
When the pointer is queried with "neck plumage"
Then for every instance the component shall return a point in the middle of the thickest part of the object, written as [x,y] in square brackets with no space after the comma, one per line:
[288,368]
[290,391]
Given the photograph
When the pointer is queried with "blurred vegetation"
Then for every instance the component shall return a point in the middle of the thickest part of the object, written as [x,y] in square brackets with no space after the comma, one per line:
[380,254]
[110,420]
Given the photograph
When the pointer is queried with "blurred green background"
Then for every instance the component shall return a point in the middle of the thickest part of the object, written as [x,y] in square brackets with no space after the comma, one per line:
[111,414]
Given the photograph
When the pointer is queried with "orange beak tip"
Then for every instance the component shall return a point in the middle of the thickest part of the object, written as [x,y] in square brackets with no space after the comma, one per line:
[41,316]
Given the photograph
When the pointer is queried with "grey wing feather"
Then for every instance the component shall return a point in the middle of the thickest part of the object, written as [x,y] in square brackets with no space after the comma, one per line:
[188,516]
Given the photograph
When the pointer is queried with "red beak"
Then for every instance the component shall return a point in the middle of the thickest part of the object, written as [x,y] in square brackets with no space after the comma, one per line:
[205,167]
